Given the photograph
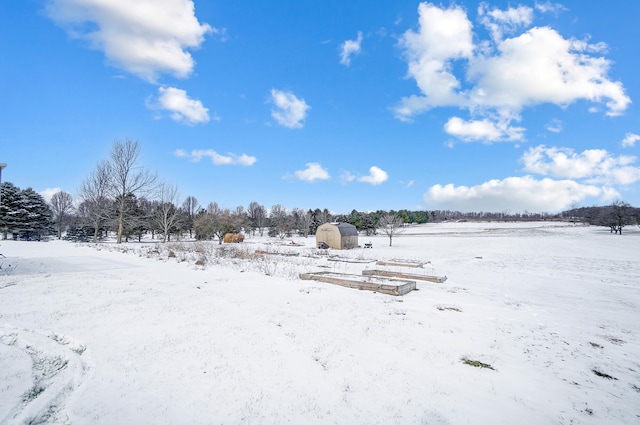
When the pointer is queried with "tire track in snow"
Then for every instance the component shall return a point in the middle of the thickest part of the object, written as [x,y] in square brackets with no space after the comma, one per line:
[57,369]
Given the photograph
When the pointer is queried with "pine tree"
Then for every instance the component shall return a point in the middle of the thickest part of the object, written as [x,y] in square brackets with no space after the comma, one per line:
[24,213]
[39,218]
[11,214]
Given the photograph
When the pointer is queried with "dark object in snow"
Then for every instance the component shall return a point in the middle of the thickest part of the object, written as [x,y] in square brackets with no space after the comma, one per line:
[476,363]
[603,375]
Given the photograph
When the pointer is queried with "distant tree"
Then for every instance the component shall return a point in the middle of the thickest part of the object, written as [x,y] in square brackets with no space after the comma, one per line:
[127,178]
[355,218]
[419,217]
[368,224]
[315,220]
[325,216]
[190,206]
[621,215]
[203,225]
[146,221]
[62,208]
[257,216]
[296,216]
[96,203]
[278,221]
[214,222]
[390,225]
[307,221]
[167,215]
[239,218]
[319,217]
[404,216]
[135,221]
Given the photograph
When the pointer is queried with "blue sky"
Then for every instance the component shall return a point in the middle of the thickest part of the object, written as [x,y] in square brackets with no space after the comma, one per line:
[470,106]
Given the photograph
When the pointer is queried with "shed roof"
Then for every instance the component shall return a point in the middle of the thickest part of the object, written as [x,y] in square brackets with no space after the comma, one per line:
[345,229]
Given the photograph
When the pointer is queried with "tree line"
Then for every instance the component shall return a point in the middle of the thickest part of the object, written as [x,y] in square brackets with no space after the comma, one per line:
[121,197]
[615,216]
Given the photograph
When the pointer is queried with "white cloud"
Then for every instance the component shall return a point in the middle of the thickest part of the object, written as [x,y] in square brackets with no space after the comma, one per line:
[499,22]
[216,158]
[376,176]
[555,126]
[501,77]
[573,178]
[182,108]
[48,193]
[540,66]
[548,7]
[145,38]
[444,35]
[630,140]
[313,172]
[350,48]
[347,177]
[290,111]
[483,130]
[514,194]
[592,165]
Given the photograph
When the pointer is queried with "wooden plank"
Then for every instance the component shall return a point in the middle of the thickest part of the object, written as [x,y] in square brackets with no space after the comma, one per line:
[350,260]
[399,263]
[411,276]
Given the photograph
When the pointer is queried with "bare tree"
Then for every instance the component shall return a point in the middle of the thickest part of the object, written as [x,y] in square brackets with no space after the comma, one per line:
[127,178]
[167,215]
[240,218]
[390,225]
[301,221]
[190,207]
[621,215]
[94,192]
[216,222]
[325,216]
[279,221]
[62,207]
[257,216]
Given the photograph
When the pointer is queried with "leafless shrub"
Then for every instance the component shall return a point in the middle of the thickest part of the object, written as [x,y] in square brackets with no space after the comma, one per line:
[203,253]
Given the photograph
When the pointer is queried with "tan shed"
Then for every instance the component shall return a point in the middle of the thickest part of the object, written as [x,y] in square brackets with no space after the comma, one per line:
[338,235]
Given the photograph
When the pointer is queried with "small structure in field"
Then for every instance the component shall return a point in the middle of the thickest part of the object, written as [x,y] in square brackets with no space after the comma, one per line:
[401,263]
[402,275]
[337,235]
[233,238]
[389,286]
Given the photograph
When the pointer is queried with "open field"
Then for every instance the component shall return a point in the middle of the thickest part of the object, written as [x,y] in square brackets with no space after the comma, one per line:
[537,323]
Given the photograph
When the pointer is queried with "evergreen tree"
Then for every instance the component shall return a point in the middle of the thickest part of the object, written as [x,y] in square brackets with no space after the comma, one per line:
[133,218]
[355,218]
[24,213]
[11,214]
[39,215]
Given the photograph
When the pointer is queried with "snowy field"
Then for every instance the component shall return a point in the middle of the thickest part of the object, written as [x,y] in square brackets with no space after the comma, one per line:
[546,316]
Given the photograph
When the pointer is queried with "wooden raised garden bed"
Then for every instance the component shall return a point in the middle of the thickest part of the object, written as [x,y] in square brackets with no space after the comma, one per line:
[400,263]
[368,283]
[401,275]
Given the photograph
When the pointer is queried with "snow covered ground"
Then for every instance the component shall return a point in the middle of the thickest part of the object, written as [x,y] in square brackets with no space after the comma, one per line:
[94,335]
